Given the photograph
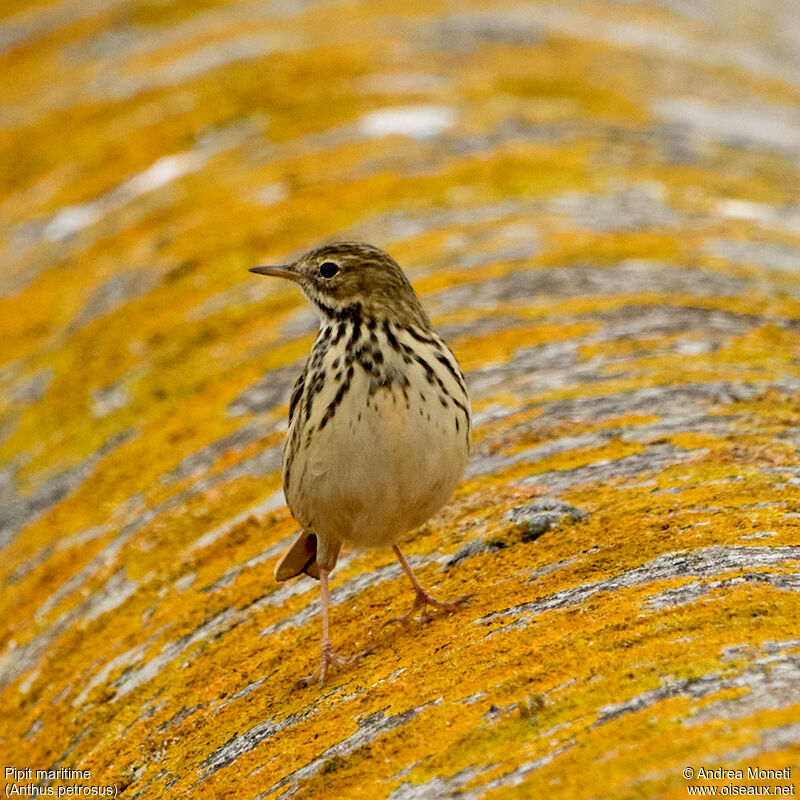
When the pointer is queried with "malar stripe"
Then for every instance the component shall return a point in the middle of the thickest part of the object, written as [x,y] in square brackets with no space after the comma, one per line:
[328,311]
[341,330]
[348,312]
[352,313]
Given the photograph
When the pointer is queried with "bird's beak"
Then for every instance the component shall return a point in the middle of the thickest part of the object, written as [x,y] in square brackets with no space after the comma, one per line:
[286,271]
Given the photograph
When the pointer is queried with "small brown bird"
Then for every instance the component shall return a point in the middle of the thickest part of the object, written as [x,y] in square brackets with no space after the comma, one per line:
[379,419]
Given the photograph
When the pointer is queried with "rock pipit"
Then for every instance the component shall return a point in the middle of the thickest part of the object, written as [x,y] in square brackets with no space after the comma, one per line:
[379,419]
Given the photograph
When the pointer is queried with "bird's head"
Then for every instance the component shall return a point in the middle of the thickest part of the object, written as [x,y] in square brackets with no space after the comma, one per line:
[338,276]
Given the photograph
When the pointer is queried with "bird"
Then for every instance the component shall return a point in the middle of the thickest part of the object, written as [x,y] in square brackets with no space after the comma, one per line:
[379,422]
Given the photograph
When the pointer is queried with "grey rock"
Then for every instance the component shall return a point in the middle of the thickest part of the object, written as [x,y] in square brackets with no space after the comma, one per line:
[743,124]
[691,592]
[239,744]
[463,32]
[632,207]
[629,277]
[119,289]
[706,563]
[32,389]
[369,729]
[542,515]
[108,399]
[204,458]
[651,459]
[770,740]
[468,550]
[21,511]
[770,683]
[272,390]
[763,254]
[528,523]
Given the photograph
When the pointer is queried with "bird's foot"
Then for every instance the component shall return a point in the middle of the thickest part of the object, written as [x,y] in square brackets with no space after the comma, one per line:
[421,602]
[327,659]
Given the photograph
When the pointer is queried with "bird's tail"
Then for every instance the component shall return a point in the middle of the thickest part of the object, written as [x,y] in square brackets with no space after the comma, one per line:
[300,558]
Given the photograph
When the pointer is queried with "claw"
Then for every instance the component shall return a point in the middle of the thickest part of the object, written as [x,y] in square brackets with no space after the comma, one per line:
[421,602]
[329,658]
[423,599]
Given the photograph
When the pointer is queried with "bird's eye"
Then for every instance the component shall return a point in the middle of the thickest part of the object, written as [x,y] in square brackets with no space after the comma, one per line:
[328,269]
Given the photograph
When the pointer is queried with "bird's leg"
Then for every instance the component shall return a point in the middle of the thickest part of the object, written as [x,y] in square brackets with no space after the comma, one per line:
[423,599]
[327,657]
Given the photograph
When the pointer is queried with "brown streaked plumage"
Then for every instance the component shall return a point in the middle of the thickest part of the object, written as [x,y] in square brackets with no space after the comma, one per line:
[379,420]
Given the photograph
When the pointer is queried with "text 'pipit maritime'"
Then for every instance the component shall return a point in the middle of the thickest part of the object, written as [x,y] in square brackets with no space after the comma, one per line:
[379,420]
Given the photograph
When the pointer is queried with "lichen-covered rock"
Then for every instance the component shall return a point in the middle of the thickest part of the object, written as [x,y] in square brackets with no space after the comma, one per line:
[533,519]
[596,201]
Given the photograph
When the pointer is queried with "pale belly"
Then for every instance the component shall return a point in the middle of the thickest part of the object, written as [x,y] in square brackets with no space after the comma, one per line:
[381,466]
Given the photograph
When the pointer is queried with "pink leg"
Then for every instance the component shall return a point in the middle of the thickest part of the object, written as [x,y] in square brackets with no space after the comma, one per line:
[423,598]
[327,656]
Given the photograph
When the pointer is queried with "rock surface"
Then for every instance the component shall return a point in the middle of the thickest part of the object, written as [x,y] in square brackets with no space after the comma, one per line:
[598,204]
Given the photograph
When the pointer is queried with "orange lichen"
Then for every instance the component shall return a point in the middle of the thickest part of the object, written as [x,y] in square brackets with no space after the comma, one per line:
[499,347]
